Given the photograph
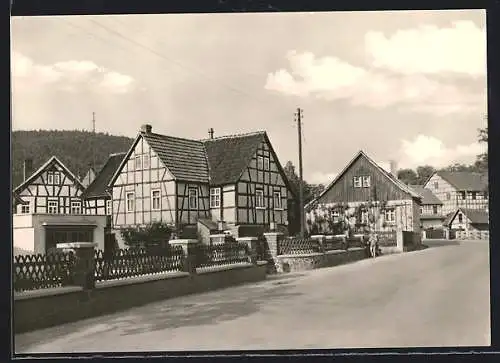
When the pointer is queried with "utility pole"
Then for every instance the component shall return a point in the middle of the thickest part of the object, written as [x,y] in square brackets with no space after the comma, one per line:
[93,142]
[298,116]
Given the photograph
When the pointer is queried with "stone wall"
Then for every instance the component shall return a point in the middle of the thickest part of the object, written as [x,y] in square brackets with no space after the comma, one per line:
[292,263]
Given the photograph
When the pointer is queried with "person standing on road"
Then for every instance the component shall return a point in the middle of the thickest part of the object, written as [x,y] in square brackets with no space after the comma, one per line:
[373,242]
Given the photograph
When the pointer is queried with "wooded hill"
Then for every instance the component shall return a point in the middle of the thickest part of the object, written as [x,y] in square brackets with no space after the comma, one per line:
[76,149]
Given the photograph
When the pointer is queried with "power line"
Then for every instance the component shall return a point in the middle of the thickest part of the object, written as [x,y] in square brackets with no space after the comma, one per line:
[173,61]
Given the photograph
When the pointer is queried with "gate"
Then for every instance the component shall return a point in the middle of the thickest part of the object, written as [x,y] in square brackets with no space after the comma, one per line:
[435,234]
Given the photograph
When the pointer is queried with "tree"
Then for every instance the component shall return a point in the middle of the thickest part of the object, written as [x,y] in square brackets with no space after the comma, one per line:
[407,176]
[424,173]
[482,160]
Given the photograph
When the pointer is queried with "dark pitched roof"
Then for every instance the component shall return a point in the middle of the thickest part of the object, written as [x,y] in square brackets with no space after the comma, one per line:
[448,218]
[427,195]
[476,216]
[465,180]
[184,158]
[229,155]
[98,186]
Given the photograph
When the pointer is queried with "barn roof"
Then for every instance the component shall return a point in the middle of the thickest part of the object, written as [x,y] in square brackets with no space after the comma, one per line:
[465,180]
[405,188]
[428,197]
[98,186]
[228,156]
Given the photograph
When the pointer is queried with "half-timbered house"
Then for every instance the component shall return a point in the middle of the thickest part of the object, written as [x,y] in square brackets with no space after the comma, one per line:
[234,180]
[52,189]
[431,208]
[50,210]
[459,190]
[363,187]
[469,220]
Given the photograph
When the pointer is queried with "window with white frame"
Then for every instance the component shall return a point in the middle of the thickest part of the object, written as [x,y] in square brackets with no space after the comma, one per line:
[473,195]
[448,196]
[53,207]
[436,185]
[155,199]
[434,209]
[460,218]
[214,197]
[267,163]
[366,181]
[260,162]
[390,215]
[463,195]
[364,217]
[76,207]
[25,208]
[277,200]
[193,198]
[130,201]
[109,207]
[146,161]
[138,162]
[57,178]
[357,182]
[259,198]
[50,177]
[421,210]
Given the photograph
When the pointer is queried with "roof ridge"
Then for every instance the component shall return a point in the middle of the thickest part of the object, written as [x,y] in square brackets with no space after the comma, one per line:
[169,136]
[233,136]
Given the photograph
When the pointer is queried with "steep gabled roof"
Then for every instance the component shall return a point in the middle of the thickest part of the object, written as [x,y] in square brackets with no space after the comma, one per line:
[465,180]
[98,186]
[52,161]
[392,178]
[228,156]
[184,158]
[426,194]
[476,216]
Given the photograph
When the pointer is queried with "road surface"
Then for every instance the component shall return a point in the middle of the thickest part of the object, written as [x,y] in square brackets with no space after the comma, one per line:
[433,297]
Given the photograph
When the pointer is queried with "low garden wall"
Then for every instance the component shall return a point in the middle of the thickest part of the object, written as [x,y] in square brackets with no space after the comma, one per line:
[93,285]
[310,261]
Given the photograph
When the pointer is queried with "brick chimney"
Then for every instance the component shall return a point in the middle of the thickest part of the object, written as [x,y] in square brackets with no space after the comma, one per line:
[146,128]
[27,168]
[211,133]
[394,168]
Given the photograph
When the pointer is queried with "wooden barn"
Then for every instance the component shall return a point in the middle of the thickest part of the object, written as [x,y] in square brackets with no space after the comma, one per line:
[367,195]
[234,181]
[52,189]
[459,189]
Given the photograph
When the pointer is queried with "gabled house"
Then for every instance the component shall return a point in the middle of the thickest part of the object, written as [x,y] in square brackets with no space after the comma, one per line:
[431,208]
[459,190]
[464,219]
[52,189]
[236,181]
[363,185]
[50,210]
[97,197]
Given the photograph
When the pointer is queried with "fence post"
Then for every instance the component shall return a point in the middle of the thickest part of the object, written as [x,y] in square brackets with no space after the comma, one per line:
[83,272]
[273,240]
[189,247]
[321,241]
[252,246]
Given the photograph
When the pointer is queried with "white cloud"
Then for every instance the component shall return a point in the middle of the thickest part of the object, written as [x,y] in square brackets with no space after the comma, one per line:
[330,78]
[411,56]
[428,49]
[68,76]
[321,178]
[429,150]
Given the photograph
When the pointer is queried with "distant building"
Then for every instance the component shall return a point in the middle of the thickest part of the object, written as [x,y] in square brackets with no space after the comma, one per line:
[89,177]
[464,219]
[459,190]
[431,208]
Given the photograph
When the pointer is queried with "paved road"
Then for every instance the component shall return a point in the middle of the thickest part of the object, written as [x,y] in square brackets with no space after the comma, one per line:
[434,297]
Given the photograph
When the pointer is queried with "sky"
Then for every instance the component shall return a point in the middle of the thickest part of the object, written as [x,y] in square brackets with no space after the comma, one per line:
[408,86]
